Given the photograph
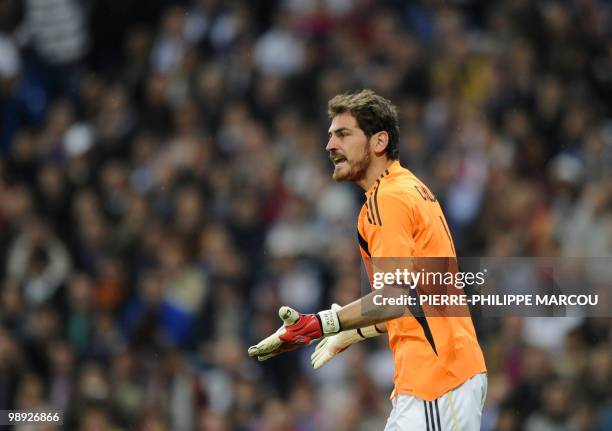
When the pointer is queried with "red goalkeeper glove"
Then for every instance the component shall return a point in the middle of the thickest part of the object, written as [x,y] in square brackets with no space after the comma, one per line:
[297,330]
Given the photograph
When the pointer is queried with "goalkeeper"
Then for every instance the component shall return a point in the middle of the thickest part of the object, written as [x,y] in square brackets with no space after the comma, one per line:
[439,370]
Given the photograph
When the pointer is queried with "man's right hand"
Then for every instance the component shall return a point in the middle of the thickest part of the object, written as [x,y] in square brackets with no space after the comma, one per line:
[297,330]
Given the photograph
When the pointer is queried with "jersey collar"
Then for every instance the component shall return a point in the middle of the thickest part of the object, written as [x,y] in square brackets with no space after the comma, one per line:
[391,169]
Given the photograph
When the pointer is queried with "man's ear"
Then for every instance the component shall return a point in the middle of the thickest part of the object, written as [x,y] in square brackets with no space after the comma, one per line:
[379,141]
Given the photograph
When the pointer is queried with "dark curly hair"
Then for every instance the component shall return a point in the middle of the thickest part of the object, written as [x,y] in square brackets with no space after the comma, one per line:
[373,113]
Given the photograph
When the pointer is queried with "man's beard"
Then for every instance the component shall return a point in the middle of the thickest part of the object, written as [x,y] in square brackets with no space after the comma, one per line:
[356,170]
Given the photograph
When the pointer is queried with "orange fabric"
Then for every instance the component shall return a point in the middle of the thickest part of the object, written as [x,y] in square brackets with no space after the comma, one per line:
[402,218]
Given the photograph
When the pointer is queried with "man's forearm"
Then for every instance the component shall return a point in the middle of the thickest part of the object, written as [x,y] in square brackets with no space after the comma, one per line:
[363,312]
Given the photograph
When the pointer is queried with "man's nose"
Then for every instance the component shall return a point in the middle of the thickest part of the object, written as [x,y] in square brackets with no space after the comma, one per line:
[331,144]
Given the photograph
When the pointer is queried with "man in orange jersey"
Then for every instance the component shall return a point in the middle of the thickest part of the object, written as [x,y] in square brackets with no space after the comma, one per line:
[440,375]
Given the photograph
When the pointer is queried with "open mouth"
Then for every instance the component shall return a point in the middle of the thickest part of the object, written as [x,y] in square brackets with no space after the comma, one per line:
[337,160]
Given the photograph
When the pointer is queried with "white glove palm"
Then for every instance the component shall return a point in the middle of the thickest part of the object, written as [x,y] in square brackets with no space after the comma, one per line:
[331,346]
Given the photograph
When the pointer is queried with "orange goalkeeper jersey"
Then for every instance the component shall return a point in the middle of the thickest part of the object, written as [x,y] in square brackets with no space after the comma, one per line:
[401,218]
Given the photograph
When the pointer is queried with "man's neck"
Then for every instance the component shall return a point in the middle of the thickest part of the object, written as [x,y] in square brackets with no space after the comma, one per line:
[375,170]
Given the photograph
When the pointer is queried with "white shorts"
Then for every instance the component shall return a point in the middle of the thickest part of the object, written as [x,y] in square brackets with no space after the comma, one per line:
[456,410]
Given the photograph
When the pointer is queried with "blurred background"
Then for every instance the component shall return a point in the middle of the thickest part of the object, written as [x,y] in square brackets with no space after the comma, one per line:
[164,188]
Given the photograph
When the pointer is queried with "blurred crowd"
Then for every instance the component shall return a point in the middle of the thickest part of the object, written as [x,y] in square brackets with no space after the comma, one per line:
[164,188]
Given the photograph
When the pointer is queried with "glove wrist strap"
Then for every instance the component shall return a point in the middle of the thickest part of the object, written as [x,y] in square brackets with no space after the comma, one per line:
[329,322]
[369,331]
